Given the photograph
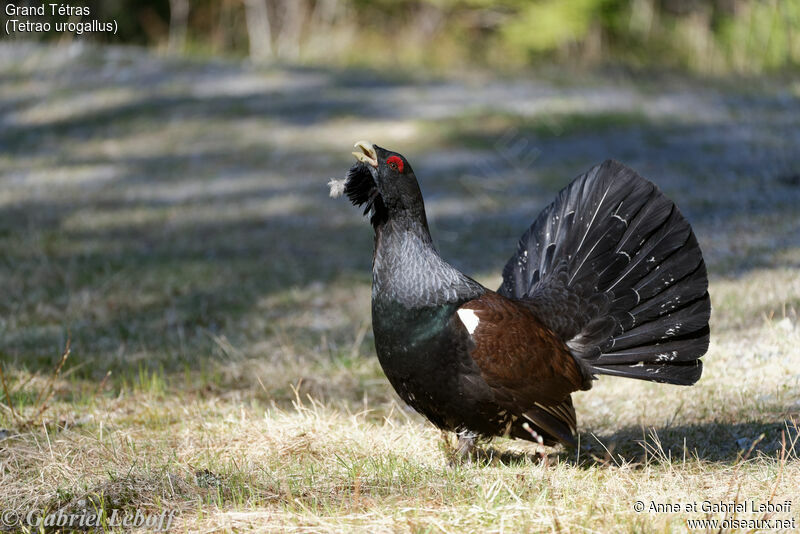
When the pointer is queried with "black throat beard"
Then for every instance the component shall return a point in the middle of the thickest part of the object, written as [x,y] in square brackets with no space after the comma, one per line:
[361,189]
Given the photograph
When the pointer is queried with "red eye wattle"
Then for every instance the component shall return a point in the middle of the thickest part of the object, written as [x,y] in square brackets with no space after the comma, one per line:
[395,163]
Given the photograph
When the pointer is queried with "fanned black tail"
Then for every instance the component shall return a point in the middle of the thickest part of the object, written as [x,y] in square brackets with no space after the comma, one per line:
[614,269]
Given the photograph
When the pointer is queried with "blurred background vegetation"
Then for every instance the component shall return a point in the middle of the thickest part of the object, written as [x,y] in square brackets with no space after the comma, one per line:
[709,37]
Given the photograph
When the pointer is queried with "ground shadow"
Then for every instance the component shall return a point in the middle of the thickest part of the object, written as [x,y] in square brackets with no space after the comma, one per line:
[723,442]
[636,447]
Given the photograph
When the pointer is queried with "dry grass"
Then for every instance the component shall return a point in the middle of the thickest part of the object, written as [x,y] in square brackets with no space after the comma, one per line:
[172,222]
[236,462]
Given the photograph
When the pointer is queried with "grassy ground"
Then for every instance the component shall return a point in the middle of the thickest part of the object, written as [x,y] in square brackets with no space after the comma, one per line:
[170,220]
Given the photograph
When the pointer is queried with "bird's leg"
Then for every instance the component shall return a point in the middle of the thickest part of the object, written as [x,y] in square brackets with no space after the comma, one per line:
[465,446]
[463,450]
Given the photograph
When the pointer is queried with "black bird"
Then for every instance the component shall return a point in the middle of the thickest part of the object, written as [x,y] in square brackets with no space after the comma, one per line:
[608,280]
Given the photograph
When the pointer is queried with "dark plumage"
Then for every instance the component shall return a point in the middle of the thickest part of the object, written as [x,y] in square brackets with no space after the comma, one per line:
[609,279]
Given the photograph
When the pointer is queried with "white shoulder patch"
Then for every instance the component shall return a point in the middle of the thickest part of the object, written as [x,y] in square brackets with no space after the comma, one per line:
[469,318]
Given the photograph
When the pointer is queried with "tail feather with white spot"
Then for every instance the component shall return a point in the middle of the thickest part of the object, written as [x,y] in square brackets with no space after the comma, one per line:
[614,269]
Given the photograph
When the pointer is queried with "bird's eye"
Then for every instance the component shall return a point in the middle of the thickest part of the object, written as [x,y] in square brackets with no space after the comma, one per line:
[395,163]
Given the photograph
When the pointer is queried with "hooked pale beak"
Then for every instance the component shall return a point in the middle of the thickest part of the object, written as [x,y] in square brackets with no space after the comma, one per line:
[367,153]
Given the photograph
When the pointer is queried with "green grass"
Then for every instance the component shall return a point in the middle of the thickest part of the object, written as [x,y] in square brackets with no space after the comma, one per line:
[217,301]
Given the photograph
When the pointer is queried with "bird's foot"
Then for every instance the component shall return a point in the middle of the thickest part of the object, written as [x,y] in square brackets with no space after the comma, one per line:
[464,450]
[465,447]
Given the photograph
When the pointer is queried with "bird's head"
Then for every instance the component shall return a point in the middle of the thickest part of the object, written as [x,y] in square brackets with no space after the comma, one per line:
[384,182]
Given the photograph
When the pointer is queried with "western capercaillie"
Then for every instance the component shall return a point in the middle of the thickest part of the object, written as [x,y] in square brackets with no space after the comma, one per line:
[609,279]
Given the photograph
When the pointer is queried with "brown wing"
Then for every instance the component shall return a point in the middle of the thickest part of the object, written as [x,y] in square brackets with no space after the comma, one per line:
[526,364]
